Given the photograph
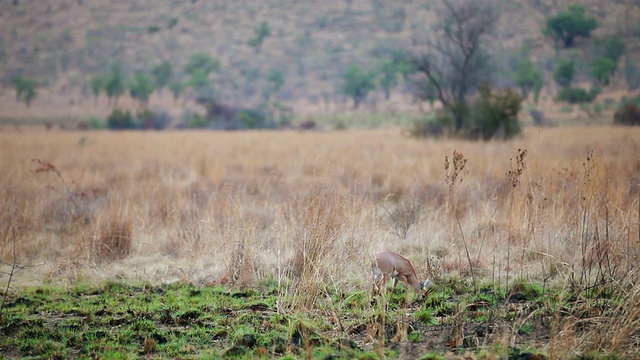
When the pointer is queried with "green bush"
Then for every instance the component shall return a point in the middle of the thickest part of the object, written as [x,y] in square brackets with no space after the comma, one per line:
[563,74]
[602,68]
[120,120]
[436,125]
[256,119]
[529,78]
[25,89]
[496,111]
[576,95]
[635,100]
[152,120]
[95,123]
[494,114]
[197,121]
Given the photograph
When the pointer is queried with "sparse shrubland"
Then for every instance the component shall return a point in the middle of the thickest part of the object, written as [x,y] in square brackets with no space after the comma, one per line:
[260,243]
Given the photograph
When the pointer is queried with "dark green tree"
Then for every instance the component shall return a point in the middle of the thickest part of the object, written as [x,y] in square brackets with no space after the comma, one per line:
[529,78]
[601,69]
[611,47]
[199,67]
[202,62]
[356,83]
[162,74]
[25,89]
[121,120]
[141,87]
[567,26]
[199,80]
[388,77]
[275,80]
[563,74]
[259,34]
[114,85]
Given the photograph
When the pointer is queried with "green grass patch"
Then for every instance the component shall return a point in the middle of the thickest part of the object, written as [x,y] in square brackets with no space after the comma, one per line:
[119,320]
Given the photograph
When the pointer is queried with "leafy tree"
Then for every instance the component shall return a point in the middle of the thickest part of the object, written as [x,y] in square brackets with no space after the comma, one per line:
[199,80]
[529,78]
[569,25]
[259,34]
[275,80]
[456,64]
[611,47]
[357,83]
[602,68]
[162,74]
[141,87]
[97,84]
[388,77]
[114,84]
[563,74]
[25,89]
[575,95]
[202,62]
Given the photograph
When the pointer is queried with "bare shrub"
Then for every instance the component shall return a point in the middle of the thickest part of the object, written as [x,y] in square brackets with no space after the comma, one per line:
[13,226]
[628,115]
[114,239]
[242,264]
[401,213]
[318,217]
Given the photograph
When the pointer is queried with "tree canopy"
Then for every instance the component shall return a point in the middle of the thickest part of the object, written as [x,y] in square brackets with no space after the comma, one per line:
[357,83]
[529,78]
[25,89]
[162,74]
[568,25]
[141,87]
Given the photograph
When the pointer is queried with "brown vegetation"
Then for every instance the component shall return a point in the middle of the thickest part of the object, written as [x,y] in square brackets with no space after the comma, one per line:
[314,206]
[558,207]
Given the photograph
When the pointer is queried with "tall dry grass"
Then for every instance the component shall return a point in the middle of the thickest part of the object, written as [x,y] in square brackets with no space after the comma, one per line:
[559,206]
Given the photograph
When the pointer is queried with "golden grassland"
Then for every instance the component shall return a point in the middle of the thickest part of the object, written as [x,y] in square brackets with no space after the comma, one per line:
[240,207]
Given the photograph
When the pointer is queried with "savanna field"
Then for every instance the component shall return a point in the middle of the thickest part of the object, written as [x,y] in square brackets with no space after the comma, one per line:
[259,244]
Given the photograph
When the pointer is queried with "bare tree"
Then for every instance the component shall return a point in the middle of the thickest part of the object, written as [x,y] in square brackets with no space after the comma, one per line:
[455,62]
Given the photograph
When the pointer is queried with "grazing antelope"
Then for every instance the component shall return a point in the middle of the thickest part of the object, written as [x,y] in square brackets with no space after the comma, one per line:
[387,265]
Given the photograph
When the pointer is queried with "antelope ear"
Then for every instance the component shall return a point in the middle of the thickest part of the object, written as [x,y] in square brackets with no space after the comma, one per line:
[424,284]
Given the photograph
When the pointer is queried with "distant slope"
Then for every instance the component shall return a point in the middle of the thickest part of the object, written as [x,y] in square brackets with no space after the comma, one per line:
[63,42]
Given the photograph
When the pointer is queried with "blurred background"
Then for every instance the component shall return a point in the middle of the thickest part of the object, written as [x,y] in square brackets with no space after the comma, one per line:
[287,63]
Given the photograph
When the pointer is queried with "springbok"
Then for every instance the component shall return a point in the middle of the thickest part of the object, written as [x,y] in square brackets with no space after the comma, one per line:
[387,265]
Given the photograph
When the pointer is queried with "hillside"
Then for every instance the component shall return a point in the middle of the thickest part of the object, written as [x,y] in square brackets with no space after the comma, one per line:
[63,43]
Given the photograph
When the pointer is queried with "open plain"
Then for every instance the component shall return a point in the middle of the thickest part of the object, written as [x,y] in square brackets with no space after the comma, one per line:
[536,239]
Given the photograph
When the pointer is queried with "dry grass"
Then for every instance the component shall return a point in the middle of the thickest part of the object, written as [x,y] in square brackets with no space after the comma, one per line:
[316,205]
[310,208]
